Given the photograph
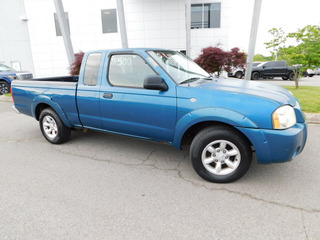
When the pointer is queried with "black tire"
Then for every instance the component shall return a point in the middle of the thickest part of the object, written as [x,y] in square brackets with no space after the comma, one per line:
[255,76]
[291,76]
[238,75]
[218,135]
[285,78]
[60,133]
[270,77]
[4,87]
[311,75]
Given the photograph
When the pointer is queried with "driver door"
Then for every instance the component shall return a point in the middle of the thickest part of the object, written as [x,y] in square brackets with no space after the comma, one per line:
[127,108]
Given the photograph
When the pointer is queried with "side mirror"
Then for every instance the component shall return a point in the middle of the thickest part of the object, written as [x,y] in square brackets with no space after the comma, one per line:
[155,82]
[263,66]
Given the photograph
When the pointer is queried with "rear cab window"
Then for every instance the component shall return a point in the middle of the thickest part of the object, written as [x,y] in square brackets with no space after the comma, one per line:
[91,71]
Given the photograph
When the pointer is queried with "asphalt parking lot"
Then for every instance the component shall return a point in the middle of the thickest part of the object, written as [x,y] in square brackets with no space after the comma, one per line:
[102,186]
[306,81]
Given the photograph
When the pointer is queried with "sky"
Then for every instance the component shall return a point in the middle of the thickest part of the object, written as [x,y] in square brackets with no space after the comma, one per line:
[290,15]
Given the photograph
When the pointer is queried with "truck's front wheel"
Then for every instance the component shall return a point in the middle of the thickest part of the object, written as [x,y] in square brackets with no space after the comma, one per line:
[238,74]
[220,154]
[4,88]
[52,128]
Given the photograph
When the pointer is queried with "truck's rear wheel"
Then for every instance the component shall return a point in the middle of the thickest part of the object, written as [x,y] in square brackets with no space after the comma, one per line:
[52,128]
[255,76]
[291,76]
[220,154]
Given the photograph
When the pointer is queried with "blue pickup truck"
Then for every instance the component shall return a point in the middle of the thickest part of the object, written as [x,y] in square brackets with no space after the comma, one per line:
[163,96]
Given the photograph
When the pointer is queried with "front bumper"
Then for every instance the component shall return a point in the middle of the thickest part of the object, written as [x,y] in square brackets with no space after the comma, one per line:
[274,146]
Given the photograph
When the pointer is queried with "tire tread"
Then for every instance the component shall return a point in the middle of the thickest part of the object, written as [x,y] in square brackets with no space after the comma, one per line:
[63,131]
[202,137]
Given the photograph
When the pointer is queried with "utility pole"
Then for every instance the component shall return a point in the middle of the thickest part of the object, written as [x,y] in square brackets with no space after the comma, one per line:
[122,23]
[253,38]
[64,30]
[188,27]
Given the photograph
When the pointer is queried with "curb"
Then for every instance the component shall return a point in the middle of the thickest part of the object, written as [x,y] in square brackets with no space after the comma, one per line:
[310,117]
[313,118]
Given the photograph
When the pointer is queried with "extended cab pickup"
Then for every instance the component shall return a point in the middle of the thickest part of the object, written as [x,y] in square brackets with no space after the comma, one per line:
[273,69]
[163,96]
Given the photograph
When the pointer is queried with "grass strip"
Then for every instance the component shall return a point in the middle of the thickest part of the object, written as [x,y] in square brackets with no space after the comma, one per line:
[308,96]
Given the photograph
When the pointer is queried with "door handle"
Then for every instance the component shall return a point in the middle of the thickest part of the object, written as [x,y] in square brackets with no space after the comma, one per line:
[107,95]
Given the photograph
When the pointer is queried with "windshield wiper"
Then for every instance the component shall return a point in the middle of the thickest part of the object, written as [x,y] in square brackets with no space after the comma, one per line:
[194,79]
[189,80]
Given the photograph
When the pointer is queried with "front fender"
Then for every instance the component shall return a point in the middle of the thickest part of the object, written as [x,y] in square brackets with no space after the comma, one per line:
[209,114]
[42,99]
[7,80]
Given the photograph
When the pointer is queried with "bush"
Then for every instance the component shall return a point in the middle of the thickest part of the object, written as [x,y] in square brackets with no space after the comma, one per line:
[214,59]
[76,65]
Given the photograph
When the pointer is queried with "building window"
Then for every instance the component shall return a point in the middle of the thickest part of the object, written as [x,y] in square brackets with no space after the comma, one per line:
[206,15]
[109,21]
[58,30]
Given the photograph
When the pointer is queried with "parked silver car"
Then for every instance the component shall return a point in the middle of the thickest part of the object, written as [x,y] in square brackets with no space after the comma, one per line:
[239,72]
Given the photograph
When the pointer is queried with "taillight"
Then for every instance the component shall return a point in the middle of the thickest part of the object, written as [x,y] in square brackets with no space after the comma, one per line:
[12,94]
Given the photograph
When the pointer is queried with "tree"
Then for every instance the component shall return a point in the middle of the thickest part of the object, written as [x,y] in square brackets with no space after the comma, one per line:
[214,59]
[306,52]
[308,39]
[261,58]
[76,65]
[278,41]
[296,60]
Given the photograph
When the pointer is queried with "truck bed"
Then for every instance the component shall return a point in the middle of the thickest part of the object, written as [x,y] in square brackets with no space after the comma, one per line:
[58,79]
[59,90]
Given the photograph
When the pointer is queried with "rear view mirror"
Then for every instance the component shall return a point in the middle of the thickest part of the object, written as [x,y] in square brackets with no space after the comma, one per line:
[155,82]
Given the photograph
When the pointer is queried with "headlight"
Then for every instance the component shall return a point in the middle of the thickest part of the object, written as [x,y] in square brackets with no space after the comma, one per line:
[284,117]
[12,77]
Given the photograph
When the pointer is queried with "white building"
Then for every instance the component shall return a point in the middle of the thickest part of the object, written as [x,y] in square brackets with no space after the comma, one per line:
[15,48]
[94,25]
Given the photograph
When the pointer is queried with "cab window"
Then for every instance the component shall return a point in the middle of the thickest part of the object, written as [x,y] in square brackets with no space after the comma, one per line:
[128,70]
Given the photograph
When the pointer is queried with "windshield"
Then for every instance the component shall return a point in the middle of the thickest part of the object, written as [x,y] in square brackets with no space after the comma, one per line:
[4,68]
[178,66]
[261,64]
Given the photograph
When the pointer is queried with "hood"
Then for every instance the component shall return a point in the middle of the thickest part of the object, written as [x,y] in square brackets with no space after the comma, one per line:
[263,90]
[7,73]
[13,72]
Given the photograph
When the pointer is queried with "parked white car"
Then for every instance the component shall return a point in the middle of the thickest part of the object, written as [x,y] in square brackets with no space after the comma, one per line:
[309,72]
[236,72]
